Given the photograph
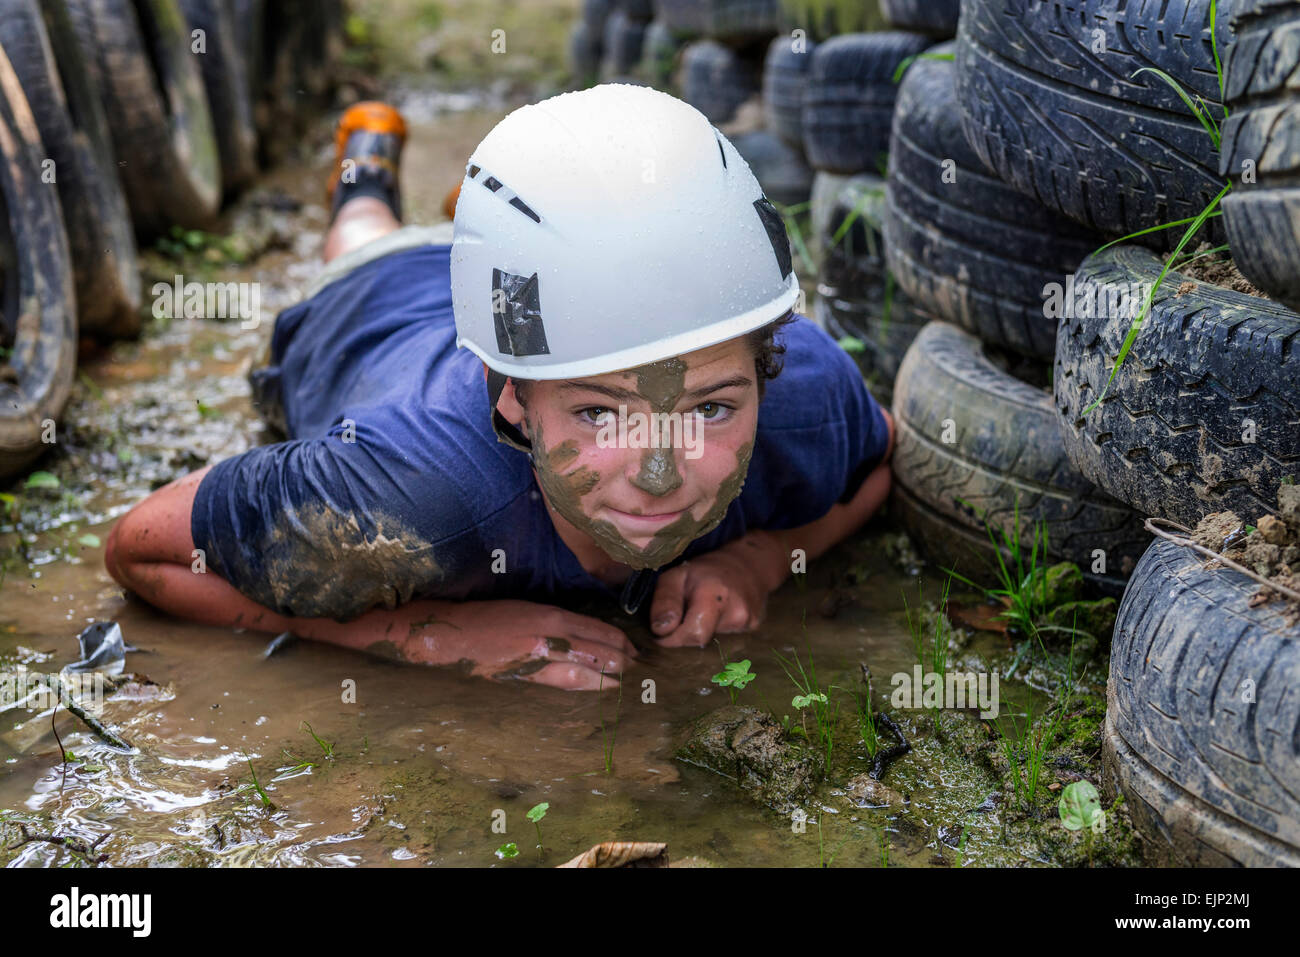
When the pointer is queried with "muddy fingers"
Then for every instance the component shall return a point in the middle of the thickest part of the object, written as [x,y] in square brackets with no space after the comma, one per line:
[571,677]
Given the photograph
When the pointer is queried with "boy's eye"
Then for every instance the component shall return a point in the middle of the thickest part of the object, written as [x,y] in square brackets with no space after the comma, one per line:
[709,410]
[596,414]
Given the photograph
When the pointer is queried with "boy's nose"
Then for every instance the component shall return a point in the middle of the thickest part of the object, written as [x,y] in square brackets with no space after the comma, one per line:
[658,473]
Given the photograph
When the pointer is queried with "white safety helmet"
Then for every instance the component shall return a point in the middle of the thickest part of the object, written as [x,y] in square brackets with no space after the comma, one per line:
[609,228]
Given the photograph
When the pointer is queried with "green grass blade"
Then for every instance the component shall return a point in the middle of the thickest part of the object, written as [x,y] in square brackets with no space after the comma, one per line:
[1131,337]
[1201,255]
[1214,46]
[858,210]
[908,61]
[1182,95]
[1148,231]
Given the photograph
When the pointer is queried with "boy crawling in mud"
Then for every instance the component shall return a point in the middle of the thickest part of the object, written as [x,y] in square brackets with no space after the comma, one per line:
[595,385]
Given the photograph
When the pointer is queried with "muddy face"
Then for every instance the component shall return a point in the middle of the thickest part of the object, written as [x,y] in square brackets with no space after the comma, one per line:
[641,463]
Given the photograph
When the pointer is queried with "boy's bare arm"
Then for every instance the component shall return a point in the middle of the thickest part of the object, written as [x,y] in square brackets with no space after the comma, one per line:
[151,552]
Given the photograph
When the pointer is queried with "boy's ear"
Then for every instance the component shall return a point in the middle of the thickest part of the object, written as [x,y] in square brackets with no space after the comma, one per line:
[508,404]
[507,413]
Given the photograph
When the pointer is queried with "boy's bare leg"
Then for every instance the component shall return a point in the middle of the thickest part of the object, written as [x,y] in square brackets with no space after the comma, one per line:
[363,190]
[359,221]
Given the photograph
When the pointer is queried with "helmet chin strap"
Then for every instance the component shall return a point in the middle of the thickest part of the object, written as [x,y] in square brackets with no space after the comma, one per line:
[637,589]
[506,432]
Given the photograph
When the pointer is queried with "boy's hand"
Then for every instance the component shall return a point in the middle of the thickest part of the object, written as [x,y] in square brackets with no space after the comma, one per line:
[520,639]
[722,592]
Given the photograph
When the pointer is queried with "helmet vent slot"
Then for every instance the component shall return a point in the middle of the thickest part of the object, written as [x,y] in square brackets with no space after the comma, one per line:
[723,152]
[508,194]
[524,208]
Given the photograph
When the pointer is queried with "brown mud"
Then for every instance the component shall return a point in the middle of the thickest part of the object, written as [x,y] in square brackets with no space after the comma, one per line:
[1216,269]
[1270,547]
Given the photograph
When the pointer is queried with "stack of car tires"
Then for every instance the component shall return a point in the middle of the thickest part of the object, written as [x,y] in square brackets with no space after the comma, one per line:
[1202,414]
[848,108]
[980,454]
[118,121]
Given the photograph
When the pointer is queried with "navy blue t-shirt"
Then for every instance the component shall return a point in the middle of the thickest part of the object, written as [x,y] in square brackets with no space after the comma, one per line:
[394,487]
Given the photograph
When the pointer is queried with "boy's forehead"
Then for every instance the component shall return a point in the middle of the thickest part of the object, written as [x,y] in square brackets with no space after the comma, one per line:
[730,356]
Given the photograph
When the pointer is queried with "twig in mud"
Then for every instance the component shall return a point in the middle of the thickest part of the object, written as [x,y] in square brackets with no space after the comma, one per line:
[93,723]
[884,757]
[72,844]
[1202,550]
[63,755]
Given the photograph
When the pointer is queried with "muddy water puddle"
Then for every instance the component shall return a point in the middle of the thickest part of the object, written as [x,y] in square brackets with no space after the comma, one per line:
[413,766]
[424,760]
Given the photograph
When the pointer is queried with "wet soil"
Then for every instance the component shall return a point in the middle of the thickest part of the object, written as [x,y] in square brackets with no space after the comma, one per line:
[1270,546]
[1217,269]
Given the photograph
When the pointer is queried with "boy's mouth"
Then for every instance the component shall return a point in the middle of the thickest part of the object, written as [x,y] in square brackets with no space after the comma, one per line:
[644,523]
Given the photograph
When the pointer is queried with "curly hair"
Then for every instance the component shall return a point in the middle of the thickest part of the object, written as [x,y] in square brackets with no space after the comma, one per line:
[769,355]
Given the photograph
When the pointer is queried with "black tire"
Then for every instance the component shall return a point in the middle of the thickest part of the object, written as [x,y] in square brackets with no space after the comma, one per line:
[321,21]
[778,167]
[584,53]
[1262,213]
[821,21]
[826,189]
[226,81]
[620,45]
[1206,762]
[659,51]
[882,339]
[963,244]
[1169,437]
[638,11]
[852,266]
[38,313]
[595,12]
[685,18]
[157,110]
[785,74]
[715,80]
[849,98]
[856,296]
[1005,456]
[740,21]
[1071,128]
[250,23]
[43,50]
[297,76]
[936,18]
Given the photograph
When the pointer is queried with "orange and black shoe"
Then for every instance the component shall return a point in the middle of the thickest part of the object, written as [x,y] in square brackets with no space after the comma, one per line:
[367,152]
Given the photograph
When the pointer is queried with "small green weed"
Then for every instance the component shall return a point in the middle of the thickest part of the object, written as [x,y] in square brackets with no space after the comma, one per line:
[535,814]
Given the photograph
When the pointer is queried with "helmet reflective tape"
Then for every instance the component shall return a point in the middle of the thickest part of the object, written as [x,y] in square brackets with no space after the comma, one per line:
[517,315]
[775,227]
